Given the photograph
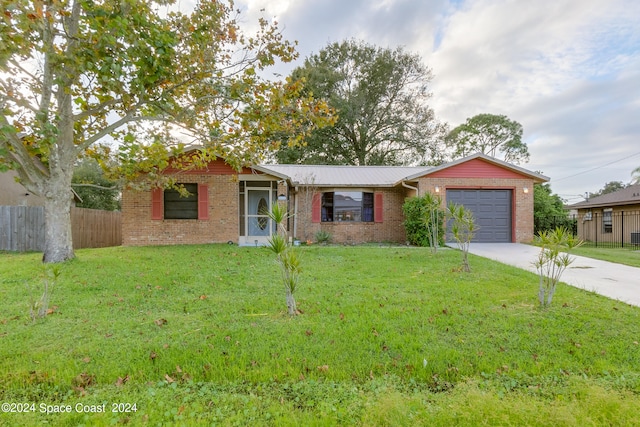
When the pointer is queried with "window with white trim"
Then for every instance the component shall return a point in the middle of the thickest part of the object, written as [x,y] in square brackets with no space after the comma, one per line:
[607,220]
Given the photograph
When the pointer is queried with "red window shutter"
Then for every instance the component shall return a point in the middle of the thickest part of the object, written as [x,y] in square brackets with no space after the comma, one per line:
[378,207]
[156,203]
[316,207]
[203,201]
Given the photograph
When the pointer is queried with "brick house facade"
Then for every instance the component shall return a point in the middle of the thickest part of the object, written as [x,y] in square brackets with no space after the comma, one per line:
[386,227]
[354,204]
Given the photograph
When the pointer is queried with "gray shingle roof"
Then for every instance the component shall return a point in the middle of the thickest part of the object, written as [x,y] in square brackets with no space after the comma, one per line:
[626,196]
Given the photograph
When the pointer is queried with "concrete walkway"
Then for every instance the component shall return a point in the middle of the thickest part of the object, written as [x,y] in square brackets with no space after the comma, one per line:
[616,281]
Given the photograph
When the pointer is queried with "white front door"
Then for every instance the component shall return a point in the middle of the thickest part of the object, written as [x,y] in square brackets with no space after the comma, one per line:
[258,226]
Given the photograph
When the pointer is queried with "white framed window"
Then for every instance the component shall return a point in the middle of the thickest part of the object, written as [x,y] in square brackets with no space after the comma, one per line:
[607,220]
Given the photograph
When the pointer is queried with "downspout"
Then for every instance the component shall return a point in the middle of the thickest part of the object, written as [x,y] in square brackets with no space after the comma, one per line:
[295,212]
[410,187]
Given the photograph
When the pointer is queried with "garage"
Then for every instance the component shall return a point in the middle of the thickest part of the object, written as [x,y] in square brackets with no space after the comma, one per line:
[492,210]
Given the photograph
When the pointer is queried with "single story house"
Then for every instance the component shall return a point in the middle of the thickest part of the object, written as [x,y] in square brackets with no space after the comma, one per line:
[612,217]
[355,204]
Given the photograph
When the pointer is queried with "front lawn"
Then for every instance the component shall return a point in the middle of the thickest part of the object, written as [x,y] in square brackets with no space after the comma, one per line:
[628,255]
[195,335]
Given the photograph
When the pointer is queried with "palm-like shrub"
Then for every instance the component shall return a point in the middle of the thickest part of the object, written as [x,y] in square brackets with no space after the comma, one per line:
[286,255]
[553,259]
[463,228]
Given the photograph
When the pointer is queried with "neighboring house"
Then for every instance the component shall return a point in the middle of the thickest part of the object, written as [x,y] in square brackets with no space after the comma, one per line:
[355,204]
[612,217]
[22,220]
[12,193]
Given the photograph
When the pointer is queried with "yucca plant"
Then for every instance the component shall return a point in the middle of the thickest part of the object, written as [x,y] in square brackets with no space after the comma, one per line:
[553,259]
[463,228]
[39,308]
[323,236]
[286,255]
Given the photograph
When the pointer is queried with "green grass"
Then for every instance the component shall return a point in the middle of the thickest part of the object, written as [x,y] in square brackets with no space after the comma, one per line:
[628,256]
[199,335]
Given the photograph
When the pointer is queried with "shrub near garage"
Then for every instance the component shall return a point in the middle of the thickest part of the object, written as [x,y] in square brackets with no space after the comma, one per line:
[424,221]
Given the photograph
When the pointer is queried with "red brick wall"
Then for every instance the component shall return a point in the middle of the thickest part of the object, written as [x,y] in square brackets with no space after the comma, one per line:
[522,213]
[138,229]
[389,230]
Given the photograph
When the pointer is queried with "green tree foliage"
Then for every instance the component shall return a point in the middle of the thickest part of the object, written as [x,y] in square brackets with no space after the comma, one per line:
[73,73]
[494,135]
[548,211]
[380,97]
[95,190]
[635,176]
[424,220]
[609,187]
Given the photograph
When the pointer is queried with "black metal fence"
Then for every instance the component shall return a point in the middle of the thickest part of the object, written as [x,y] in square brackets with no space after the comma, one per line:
[605,229]
[553,222]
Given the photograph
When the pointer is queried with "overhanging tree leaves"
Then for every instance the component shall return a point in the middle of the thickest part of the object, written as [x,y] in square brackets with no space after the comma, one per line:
[494,135]
[380,96]
[73,72]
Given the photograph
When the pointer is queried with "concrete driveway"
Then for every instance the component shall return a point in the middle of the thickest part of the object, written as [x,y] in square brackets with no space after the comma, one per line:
[616,281]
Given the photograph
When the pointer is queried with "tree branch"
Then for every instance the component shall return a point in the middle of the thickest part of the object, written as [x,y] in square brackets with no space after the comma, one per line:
[97,109]
[73,184]
[128,118]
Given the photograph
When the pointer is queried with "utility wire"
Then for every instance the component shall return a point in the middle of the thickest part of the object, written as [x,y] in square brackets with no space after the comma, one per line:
[597,167]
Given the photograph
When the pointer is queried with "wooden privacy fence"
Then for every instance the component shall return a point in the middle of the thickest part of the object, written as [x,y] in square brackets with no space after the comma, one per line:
[22,228]
[92,228]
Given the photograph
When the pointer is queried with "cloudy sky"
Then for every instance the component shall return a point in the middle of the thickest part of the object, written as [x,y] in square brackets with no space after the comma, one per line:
[567,70]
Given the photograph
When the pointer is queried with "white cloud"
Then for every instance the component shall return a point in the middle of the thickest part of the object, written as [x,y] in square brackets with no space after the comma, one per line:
[566,69]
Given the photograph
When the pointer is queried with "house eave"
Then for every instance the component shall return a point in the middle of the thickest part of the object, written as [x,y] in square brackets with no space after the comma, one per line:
[604,205]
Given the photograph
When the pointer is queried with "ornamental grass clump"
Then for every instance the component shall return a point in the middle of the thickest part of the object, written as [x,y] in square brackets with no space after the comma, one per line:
[323,237]
[286,255]
[553,259]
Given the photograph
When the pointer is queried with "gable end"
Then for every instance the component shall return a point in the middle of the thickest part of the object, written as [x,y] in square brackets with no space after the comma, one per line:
[476,168]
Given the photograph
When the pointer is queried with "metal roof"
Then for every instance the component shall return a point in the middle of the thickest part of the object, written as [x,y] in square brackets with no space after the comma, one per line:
[345,176]
[374,176]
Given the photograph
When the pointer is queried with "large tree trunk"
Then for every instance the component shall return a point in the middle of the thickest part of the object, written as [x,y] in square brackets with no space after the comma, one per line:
[58,244]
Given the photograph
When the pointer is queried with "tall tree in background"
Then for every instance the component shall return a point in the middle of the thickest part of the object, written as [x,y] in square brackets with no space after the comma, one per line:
[548,210]
[494,135]
[74,72]
[635,176]
[95,190]
[380,97]
[609,187]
